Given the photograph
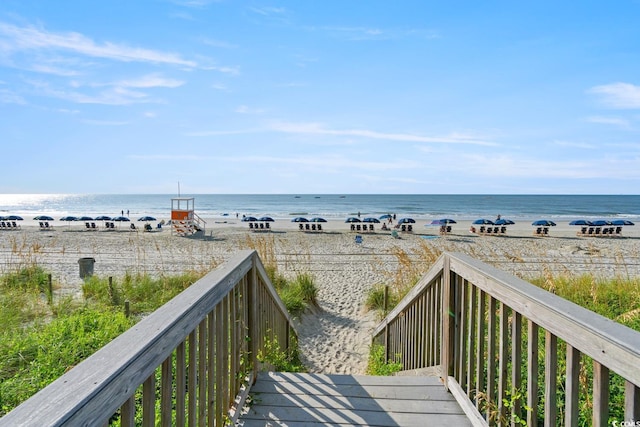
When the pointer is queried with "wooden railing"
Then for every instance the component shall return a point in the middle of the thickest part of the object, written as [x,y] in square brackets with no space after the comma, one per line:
[187,363]
[513,353]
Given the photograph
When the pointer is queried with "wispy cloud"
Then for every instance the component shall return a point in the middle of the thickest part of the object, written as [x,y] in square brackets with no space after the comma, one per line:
[359,33]
[196,4]
[149,81]
[105,122]
[618,95]
[613,121]
[243,109]
[108,96]
[573,144]
[33,38]
[317,129]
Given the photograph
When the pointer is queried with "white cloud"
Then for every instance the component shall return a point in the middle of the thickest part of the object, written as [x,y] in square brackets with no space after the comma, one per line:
[243,109]
[618,95]
[32,38]
[317,129]
[613,121]
[151,80]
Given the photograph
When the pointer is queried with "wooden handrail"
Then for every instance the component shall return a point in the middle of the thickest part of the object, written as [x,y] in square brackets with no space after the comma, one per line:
[207,337]
[498,332]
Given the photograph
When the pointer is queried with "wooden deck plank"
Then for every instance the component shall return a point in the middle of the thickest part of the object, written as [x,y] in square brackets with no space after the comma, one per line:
[312,399]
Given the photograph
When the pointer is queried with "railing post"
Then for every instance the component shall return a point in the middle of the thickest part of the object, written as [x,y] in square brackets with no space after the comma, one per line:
[631,402]
[446,360]
[252,304]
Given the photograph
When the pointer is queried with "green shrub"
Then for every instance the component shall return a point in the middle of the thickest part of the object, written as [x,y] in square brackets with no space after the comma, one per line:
[378,365]
[280,360]
[31,360]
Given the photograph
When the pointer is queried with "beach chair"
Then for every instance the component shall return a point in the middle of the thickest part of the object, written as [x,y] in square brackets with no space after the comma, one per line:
[597,232]
[261,226]
[307,227]
[538,231]
[353,227]
[410,228]
[503,230]
[583,231]
[590,230]
[448,229]
[2,225]
[618,231]
[605,231]
[482,229]
[251,225]
[301,226]
[87,226]
[404,227]
[545,231]
[267,226]
[133,227]
[358,239]
[47,226]
[319,227]
[15,225]
[313,227]
[371,228]
[489,230]
[394,234]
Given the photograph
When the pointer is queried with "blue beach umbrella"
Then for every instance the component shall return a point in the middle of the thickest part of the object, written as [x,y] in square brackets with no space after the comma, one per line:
[43,218]
[300,219]
[503,222]
[120,219]
[353,219]
[406,221]
[249,218]
[385,216]
[318,219]
[85,218]
[372,220]
[601,223]
[266,219]
[581,222]
[483,221]
[13,218]
[543,223]
[103,218]
[69,218]
[146,218]
[619,222]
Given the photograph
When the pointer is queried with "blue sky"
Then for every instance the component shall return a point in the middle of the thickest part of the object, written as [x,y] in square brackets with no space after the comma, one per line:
[324,96]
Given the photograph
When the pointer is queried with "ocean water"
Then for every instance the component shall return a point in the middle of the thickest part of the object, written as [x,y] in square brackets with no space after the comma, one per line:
[331,206]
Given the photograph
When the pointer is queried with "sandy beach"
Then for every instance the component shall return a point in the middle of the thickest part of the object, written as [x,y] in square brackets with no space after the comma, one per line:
[334,338]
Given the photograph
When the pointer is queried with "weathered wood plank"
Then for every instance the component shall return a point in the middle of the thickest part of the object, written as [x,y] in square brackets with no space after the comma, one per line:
[600,395]
[533,370]
[572,387]
[311,399]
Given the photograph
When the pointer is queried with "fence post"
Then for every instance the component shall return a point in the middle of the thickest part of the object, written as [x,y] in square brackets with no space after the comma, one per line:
[50,283]
[446,360]
[252,315]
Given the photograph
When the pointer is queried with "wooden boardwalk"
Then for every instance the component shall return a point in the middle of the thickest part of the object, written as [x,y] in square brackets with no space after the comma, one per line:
[295,400]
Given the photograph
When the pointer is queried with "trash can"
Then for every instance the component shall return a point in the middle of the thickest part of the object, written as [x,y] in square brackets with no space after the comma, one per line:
[86,267]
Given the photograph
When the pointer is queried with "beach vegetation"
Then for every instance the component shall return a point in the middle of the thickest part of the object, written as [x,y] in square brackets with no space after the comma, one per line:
[38,355]
[280,360]
[297,294]
[143,292]
[378,365]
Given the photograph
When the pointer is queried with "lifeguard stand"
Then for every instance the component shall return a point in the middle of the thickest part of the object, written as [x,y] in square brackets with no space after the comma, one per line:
[184,220]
